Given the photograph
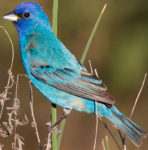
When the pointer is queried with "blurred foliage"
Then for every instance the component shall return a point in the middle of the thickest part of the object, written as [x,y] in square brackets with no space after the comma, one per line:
[119,51]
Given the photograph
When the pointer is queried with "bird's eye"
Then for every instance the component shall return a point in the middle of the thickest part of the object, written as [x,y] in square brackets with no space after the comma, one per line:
[26,15]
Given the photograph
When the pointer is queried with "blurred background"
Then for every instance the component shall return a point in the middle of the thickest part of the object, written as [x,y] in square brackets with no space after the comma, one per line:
[119,51]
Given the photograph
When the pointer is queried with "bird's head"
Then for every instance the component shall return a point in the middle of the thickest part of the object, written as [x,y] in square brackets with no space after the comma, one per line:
[28,17]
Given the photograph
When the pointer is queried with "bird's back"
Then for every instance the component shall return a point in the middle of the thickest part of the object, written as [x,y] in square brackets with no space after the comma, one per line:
[45,48]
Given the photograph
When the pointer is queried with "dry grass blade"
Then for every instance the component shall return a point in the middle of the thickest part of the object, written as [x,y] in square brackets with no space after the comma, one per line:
[137,98]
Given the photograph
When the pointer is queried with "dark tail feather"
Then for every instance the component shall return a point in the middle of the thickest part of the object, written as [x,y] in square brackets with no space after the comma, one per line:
[133,131]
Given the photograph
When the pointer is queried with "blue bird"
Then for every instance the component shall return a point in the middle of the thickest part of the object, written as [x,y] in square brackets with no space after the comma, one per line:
[58,75]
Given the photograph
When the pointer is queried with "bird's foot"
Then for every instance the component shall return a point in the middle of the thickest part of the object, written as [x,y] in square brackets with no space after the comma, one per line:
[52,128]
[55,126]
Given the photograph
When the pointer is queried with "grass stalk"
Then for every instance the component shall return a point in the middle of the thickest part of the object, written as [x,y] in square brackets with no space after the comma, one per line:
[53,107]
[55,17]
[92,35]
[62,125]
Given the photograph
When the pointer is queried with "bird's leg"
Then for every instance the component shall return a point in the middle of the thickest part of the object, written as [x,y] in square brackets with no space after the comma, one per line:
[64,115]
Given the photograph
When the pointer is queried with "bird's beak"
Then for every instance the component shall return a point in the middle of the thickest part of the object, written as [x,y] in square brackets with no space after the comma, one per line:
[11,17]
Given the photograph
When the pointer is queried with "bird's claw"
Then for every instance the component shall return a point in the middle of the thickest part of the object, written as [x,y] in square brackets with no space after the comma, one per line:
[53,128]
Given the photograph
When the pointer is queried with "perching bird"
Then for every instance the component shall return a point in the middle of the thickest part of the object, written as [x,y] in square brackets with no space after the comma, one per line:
[57,74]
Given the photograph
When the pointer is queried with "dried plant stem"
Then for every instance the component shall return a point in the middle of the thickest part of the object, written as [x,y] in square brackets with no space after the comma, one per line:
[48,145]
[96,128]
[13,118]
[15,113]
[10,81]
[1,146]
[48,141]
[15,126]
[103,144]
[33,116]
[124,147]
[96,110]
[137,98]
[16,105]
[94,147]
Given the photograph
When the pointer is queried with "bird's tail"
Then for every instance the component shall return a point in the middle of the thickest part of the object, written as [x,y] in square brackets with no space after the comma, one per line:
[133,131]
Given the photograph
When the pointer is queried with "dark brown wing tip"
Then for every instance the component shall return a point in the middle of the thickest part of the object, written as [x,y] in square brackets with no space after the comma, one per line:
[108,97]
[104,87]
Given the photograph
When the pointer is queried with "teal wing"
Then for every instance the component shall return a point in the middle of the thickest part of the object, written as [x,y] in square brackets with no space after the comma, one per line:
[82,84]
